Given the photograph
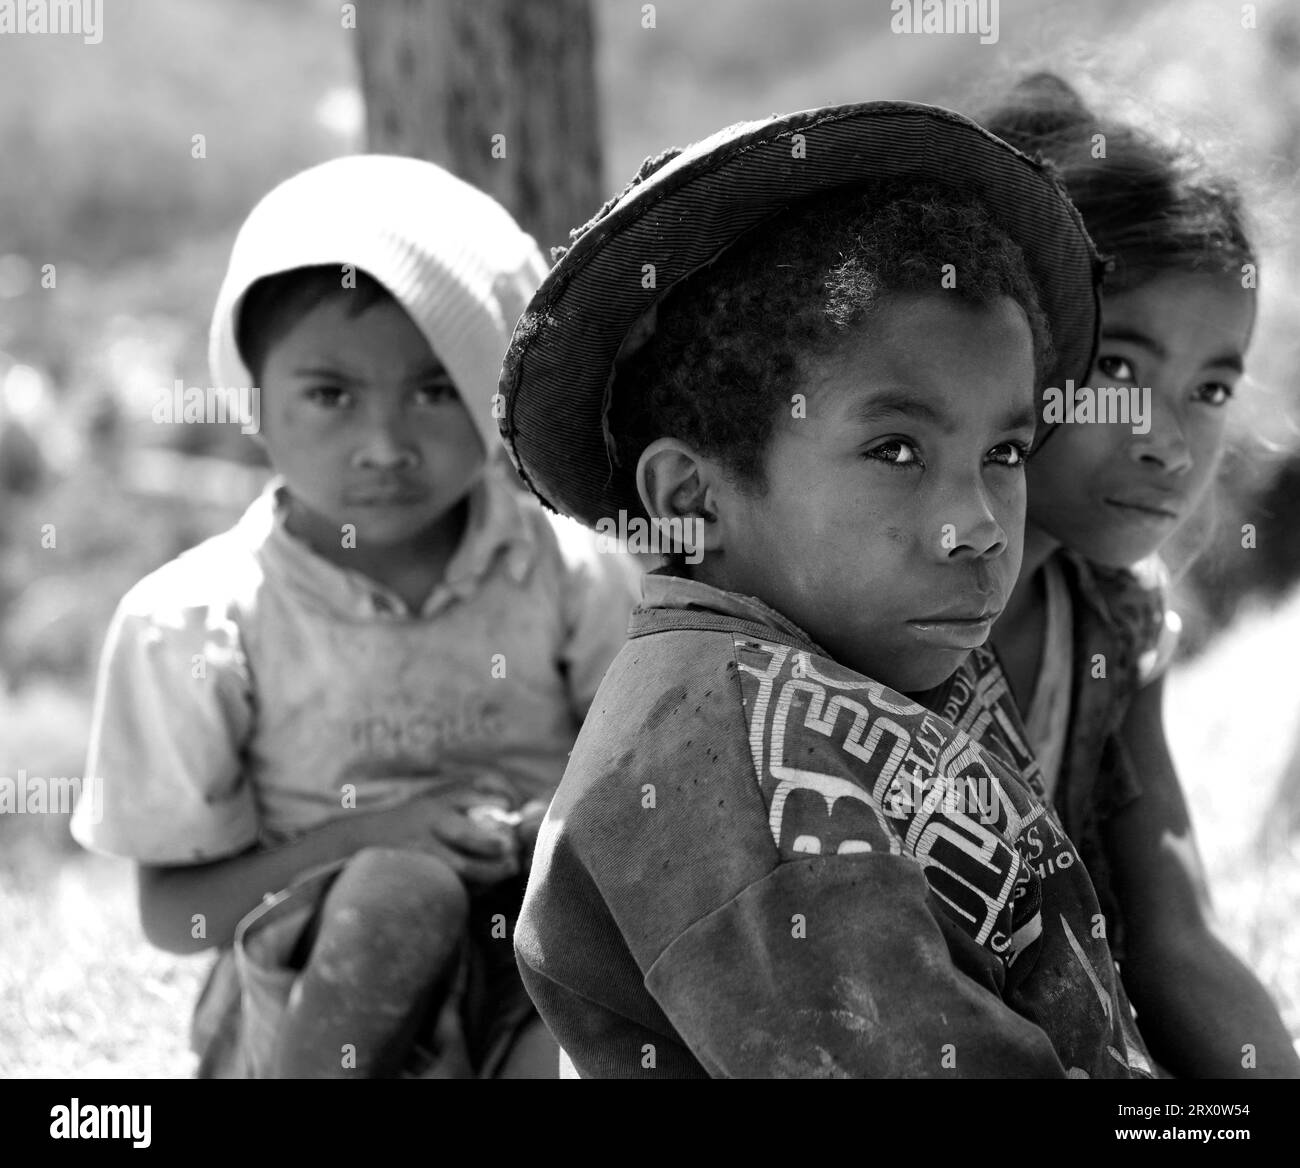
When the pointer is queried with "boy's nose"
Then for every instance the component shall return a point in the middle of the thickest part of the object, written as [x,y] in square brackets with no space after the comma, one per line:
[982,539]
[973,531]
[385,450]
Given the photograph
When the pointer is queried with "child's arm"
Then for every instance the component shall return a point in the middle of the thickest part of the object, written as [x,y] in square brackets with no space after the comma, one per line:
[1198,1005]
[747,987]
[173,898]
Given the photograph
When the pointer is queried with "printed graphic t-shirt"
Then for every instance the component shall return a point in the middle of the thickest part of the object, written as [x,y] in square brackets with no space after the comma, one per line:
[1119,634]
[761,863]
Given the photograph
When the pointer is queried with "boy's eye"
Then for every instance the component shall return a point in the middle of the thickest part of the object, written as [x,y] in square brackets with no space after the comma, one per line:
[895,452]
[1012,454]
[1214,393]
[1117,367]
[436,391]
[329,396]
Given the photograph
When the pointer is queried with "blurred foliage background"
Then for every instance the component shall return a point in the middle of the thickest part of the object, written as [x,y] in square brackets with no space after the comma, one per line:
[98,178]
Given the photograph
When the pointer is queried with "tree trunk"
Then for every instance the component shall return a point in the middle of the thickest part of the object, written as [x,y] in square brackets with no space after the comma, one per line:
[500,92]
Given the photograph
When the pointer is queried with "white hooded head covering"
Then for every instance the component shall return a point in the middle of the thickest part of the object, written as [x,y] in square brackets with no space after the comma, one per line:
[450,255]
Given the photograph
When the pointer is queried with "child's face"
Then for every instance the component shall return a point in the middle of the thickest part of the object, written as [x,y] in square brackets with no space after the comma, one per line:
[1110,494]
[891,526]
[365,425]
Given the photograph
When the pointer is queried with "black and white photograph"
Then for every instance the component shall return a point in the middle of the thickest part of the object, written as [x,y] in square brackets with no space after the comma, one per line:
[551,539]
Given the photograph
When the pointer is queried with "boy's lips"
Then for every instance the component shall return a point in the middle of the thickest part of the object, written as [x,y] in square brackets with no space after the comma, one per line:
[397,496]
[956,628]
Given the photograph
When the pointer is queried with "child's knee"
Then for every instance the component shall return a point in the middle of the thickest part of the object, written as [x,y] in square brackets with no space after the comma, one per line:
[395,887]
[391,916]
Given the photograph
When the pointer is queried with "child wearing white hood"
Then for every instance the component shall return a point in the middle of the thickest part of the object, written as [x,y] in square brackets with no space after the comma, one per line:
[327,735]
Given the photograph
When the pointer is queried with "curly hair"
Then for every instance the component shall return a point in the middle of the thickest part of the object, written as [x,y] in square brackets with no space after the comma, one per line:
[732,343]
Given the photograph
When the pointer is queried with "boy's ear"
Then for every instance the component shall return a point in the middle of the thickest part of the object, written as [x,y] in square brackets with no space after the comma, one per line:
[674,482]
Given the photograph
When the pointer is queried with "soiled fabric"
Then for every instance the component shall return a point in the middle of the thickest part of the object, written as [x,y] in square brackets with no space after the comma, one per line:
[478,1011]
[1132,604]
[761,863]
[1122,636]
[251,690]
[1122,617]
[1048,717]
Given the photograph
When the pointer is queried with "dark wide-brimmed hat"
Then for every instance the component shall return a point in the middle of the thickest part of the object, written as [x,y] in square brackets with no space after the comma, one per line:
[684,208]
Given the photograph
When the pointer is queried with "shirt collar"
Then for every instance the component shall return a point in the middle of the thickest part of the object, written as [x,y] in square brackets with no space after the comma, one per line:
[495,532]
[661,589]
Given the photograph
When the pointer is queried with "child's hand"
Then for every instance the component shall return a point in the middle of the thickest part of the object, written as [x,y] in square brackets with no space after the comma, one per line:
[529,824]
[458,827]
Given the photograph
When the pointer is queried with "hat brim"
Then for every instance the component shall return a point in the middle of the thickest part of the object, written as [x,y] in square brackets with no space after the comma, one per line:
[559,368]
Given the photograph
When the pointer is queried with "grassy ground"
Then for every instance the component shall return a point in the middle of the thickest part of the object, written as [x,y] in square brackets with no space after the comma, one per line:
[104,183]
[81,994]
[1233,722]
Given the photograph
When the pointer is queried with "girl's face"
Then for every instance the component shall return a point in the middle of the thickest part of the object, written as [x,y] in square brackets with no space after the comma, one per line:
[1115,496]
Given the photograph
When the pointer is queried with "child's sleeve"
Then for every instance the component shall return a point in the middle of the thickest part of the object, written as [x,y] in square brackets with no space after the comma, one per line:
[165,781]
[598,593]
[747,986]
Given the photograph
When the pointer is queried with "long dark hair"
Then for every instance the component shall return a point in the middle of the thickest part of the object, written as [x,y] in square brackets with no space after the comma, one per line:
[1150,206]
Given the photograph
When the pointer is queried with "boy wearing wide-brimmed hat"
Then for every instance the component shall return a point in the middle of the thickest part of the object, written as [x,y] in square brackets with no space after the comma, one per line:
[811,349]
